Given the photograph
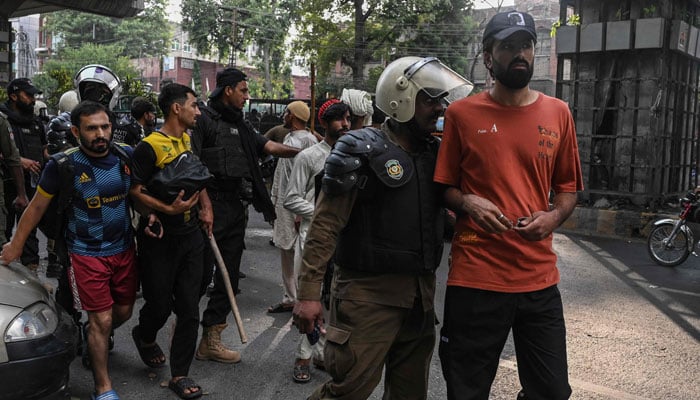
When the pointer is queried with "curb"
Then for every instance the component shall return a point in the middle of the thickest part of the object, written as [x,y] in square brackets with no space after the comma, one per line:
[623,224]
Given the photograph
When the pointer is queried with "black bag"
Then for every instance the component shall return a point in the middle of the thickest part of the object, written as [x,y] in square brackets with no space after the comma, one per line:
[186,172]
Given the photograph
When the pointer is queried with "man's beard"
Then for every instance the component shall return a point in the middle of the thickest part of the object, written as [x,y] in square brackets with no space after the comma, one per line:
[25,108]
[513,78]
[335,135]
[99,145]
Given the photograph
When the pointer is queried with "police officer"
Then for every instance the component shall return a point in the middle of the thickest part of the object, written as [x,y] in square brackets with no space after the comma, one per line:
[381,213]
[12,169]
[29,136]
[98,83]
[231,148]
[143,113]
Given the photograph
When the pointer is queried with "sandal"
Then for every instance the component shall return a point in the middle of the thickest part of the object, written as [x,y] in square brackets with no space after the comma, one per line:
[108,395]
[280,308]
[301,373]
[148,353]
[183,384]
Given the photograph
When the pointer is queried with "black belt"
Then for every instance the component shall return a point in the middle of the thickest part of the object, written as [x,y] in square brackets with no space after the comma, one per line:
[216,195]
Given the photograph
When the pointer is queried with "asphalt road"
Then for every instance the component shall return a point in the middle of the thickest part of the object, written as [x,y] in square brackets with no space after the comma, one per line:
[633,332]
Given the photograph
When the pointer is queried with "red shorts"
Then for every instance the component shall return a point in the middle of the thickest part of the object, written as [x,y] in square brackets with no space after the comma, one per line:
[100,282]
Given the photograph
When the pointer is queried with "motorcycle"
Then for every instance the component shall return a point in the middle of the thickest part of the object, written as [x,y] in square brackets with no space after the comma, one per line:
[671,241]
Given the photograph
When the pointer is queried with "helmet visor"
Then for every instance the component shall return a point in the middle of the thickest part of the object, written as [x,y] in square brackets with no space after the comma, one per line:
[438,80]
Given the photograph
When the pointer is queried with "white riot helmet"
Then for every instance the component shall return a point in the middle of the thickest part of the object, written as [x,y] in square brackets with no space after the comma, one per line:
[68,101]
[401,81]
[97,83]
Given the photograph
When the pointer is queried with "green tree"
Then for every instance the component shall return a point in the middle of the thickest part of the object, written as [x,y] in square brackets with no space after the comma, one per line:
[220,28]
[358,31]
[447,35]
[145,35]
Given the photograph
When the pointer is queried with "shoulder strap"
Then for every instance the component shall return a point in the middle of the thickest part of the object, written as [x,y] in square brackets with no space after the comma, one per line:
[124,158]
[66,173]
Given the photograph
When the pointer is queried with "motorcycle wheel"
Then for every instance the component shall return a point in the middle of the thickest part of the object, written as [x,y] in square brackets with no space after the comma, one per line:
[667,254]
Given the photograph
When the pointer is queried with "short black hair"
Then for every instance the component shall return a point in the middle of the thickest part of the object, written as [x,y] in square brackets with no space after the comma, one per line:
[336,111]
[86,108]
[141,106]
[173,93]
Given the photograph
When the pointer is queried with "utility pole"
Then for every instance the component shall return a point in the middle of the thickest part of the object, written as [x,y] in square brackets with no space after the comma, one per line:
[237,31]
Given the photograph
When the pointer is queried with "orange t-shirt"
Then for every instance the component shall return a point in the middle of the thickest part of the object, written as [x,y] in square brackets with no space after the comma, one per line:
[512,156]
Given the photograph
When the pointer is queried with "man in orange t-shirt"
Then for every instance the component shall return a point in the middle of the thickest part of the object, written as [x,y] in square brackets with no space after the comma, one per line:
[503,152]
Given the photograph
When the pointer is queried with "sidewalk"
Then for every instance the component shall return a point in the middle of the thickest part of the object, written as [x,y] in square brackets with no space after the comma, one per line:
[623,224]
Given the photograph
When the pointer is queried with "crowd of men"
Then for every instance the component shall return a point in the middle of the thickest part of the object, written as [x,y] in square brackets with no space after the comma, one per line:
[358,216]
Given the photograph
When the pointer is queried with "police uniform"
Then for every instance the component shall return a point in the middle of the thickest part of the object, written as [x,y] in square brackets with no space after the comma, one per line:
[230,148]
[381,206]
[30,138]
[10,159]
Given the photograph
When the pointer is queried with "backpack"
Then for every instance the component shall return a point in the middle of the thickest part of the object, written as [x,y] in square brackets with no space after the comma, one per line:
[53,221]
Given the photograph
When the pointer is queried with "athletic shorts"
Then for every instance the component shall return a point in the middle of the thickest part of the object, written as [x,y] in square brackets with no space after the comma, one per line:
[99,282]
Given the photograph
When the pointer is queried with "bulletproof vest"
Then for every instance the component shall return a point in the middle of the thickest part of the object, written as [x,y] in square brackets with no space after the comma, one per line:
[126,131]
[226,159]
[28,140]
[396,224]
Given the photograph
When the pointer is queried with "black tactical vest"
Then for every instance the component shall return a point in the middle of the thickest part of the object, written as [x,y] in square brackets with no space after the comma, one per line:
[396,224]
[28,138]
[226,159]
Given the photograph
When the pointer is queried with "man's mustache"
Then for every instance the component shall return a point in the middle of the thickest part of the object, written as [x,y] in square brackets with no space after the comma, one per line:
[519,61]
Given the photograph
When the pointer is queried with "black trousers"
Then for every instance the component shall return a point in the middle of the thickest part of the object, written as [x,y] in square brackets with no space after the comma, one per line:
[476,327]
[229,232]
[171,275]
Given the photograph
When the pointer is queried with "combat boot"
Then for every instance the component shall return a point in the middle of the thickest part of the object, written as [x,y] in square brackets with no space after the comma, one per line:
[211,348]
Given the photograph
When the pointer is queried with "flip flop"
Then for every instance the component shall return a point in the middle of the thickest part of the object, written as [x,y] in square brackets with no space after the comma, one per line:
[183,384]
[147,353]
[301,373]
[108,395]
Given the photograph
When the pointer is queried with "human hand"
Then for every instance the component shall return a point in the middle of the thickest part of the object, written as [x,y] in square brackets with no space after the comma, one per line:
[30,165]
[179,206]
[154,227]
[306,314]
[486,214]
[9,253]
[20,202]
[206,217]
[538,226]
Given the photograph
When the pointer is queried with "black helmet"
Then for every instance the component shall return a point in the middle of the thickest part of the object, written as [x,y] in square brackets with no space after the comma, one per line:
[58,136]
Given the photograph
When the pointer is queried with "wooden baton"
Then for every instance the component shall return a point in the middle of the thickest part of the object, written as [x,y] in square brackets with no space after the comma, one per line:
[229,290]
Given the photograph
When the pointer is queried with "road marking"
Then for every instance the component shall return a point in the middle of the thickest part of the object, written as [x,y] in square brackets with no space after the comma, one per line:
[257,232]
[613,394]
[688,319]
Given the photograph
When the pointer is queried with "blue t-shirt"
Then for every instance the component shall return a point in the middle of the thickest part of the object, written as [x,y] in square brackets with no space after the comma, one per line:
[98,223]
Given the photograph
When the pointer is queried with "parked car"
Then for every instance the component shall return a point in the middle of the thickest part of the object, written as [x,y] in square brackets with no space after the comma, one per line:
[39,339]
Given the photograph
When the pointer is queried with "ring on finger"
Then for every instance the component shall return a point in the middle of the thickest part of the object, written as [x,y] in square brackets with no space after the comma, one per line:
[500,216]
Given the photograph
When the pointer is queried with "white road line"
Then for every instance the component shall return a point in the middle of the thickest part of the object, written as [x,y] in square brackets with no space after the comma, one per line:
[613,394]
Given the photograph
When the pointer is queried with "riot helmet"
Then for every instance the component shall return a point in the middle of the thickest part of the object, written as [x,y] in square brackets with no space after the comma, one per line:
[98,83]
[59,136]
[401,81]
[68,101]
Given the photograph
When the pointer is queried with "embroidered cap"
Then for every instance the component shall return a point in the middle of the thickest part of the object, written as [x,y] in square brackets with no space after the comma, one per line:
[507,23]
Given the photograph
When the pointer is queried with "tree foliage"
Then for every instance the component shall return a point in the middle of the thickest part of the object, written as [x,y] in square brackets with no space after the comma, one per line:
[219,28]
[361,31]
[145,35]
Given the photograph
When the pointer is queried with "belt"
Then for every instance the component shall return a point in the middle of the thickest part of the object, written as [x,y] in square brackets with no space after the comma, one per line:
[216,195]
